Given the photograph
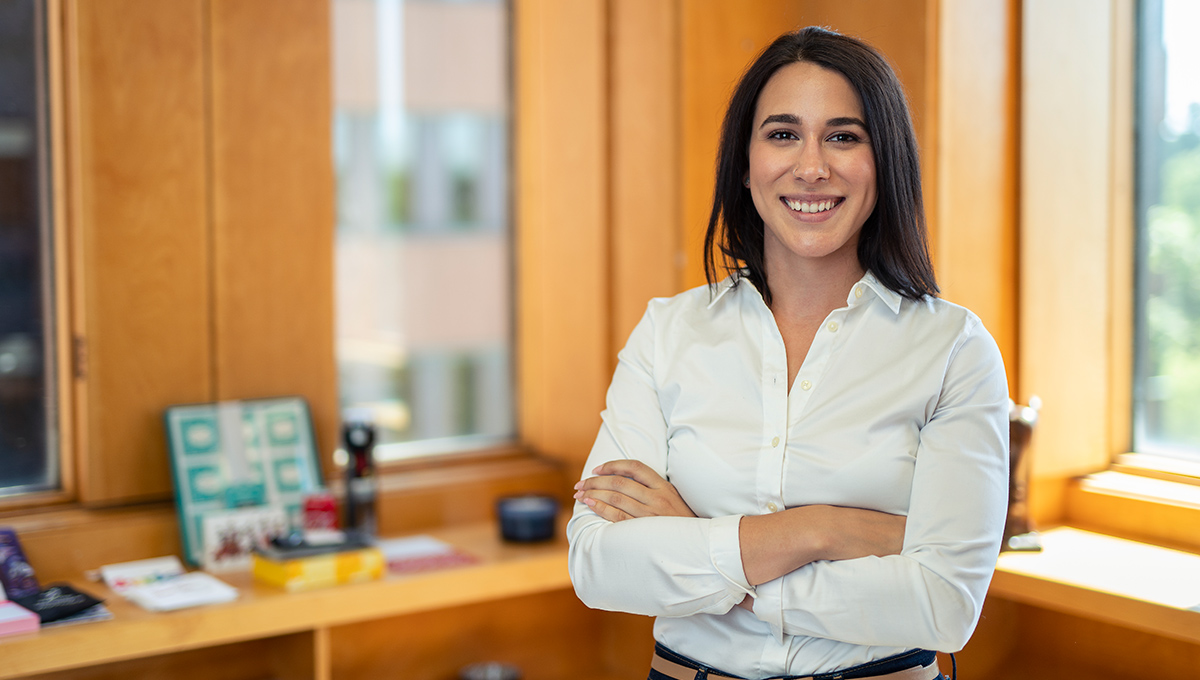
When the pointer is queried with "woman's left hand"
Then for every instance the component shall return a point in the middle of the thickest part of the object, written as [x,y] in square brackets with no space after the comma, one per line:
[625,489]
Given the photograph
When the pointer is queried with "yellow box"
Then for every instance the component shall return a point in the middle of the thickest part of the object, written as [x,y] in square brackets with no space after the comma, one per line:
[320,571]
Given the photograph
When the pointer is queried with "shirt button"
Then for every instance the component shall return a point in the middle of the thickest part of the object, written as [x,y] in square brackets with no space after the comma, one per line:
[833,327]
[772,507]
[858,291]
[805,385]
[775,442]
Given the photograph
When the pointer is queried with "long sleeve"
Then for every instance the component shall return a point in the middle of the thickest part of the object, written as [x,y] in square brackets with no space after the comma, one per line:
[659,566]
[930,595]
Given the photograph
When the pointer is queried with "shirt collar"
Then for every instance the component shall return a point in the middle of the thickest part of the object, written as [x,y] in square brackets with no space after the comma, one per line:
[724,286]
[869,281]
[886,295]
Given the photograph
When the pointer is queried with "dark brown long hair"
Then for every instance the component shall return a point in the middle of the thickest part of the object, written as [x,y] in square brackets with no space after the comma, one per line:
[893,243]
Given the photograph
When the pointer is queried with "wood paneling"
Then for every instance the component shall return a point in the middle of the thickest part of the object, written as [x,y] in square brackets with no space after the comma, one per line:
[548,636]
[272,205]
[976,206]
[1122,229]
[1066,243]
[718,40]
[253,660]
[137,202]
[1049,645]
[64,544]
[646,230]
[63,268]
[562,213]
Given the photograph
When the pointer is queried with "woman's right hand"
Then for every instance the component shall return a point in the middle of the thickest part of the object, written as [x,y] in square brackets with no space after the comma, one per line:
[777,544]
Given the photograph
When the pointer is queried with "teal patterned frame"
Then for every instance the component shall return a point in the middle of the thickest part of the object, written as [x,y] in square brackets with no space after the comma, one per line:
[271,462]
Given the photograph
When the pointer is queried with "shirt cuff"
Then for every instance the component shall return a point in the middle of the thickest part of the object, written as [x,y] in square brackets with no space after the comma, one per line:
[726,551]
[768,606]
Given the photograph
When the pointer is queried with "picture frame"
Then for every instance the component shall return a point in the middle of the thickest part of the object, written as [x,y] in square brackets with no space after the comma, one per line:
[247,454]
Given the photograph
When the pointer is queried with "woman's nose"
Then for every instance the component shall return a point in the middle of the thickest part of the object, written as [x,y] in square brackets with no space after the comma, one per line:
[811,165]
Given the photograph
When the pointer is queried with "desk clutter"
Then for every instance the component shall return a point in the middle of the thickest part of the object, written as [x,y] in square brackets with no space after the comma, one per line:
[26,606]
[161,584]
[164,584]
[251,499]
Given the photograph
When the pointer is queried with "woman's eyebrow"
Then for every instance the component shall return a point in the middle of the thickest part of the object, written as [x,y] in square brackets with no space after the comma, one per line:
[786,118]
[846,120]
[791,119]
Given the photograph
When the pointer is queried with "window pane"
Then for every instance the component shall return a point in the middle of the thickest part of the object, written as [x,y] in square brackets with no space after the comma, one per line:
[423,250]
[1167,365]
[28,447]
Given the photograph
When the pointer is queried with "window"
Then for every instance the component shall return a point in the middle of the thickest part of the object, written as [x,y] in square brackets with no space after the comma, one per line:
[28,443]
[1167,360]
[421,148]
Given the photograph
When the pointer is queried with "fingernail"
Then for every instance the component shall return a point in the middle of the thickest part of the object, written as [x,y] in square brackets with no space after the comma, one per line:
[590,502]
[579,484]
[577,495]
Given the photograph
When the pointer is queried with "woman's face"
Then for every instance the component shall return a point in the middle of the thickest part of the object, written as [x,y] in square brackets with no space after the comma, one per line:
[812,170]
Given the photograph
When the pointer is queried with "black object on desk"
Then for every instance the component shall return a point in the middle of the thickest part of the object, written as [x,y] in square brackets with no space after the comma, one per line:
[526,519]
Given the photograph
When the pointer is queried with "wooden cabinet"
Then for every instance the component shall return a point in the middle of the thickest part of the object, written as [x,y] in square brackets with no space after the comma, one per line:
[137,189]
[199,198]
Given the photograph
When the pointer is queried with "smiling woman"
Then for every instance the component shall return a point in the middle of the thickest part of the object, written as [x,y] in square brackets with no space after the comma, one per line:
[802,467]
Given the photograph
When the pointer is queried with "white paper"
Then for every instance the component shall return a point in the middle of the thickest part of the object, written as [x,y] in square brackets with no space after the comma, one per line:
[124,575]
[189,590]
[413,547]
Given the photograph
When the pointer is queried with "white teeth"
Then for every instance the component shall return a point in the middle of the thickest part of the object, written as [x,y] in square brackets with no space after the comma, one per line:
[816,207]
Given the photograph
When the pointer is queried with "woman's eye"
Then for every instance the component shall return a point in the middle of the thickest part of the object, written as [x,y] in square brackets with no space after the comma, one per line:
[844,137]
[782,134]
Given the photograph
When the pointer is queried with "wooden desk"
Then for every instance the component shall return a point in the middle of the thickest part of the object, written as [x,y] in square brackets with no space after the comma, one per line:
[1089,606]
[318,634]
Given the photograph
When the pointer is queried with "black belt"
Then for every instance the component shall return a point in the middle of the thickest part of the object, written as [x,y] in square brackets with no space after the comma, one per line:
[679,667]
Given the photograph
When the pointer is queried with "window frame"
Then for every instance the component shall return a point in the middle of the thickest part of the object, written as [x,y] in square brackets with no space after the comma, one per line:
[1077,276]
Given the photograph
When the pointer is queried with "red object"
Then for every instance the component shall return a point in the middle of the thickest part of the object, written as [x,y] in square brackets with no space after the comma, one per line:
[320,511]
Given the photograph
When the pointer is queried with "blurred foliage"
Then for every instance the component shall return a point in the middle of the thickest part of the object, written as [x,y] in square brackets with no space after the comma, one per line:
[1172,305]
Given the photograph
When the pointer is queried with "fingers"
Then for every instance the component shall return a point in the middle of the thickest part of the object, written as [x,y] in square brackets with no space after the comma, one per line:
[632,469]
[617,484]
[631,489]
[624,496]
[612,512]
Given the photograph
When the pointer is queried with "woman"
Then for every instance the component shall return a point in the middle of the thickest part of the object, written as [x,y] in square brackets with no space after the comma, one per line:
[802,468]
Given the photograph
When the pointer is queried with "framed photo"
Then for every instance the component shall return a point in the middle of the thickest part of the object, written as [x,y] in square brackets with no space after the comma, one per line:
[255,454]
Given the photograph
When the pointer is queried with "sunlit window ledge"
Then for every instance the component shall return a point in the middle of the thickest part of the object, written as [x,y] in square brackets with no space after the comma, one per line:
[1127,552]
[1101,577]
[1140,498]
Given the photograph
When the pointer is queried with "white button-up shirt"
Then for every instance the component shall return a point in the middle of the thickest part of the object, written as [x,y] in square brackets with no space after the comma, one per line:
[899,406]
